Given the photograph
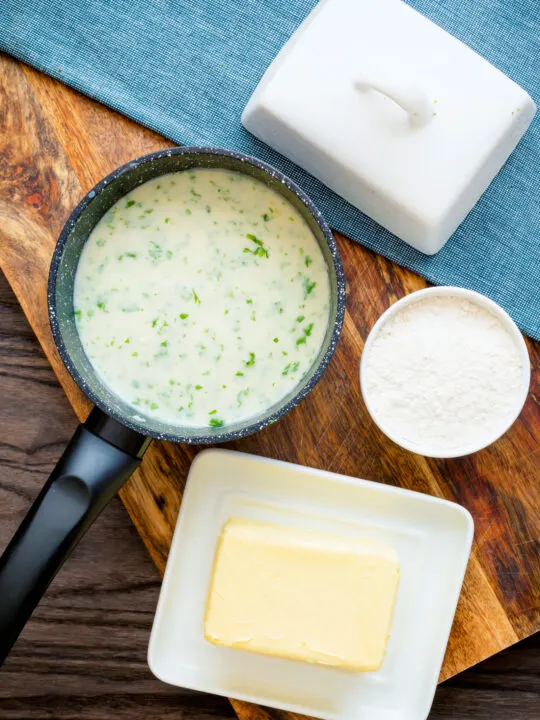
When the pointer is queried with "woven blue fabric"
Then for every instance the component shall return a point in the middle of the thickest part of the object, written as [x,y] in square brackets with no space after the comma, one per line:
[187,67]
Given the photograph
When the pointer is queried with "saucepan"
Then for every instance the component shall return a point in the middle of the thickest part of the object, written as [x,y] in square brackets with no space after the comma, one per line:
[110,445]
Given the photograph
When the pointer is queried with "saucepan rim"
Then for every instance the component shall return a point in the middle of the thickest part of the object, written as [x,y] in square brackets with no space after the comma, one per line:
[214,435]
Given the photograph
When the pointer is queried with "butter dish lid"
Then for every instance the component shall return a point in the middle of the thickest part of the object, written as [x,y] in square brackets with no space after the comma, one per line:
[393,113]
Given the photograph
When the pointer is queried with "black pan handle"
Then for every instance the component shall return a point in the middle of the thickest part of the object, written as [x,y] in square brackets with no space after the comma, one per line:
[99,458]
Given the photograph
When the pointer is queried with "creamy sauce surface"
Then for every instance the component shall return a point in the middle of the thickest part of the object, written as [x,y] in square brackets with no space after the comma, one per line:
[202,298]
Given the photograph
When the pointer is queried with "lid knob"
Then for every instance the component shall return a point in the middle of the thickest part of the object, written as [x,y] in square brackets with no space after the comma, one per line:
[412,100]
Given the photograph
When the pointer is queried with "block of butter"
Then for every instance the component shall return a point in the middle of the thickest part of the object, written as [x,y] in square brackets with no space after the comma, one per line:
[302,594]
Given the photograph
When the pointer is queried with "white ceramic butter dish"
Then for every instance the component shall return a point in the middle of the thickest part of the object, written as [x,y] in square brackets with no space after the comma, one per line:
[432,538]
[392,113]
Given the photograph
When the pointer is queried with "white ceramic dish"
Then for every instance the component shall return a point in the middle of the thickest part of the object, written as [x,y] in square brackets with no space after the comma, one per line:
[391,112]
[482,301]
[432,538]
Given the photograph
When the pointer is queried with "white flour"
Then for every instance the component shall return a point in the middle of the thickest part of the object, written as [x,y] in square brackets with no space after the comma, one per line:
[443,374]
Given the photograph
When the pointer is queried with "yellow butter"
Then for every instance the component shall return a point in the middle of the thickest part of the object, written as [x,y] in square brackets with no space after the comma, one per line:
[302,594]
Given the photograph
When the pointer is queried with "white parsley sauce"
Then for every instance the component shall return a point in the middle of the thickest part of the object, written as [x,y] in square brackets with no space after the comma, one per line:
[202,298]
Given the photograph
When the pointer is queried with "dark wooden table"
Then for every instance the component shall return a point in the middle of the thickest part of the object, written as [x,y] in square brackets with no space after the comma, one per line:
[83,654]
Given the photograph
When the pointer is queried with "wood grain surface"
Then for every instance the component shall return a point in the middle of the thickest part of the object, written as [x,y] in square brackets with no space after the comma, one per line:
[83,653]
[55,145]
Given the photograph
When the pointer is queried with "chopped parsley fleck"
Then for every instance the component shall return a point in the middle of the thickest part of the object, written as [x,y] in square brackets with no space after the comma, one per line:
[195,193]
[188,211]
[164,343]
[183,316]
[154,406]
[308,261]
[239,374]
[251,361]
[130,203]
[308,286]
[300,318]
[241,395]
[216,422]
[100,243]
[101,305]
[155,322]
[212,412]
[78,314]
[276,340]
[290,368]
[196,298]
[266,217]
[156,251]
[166,220]
[149,211]
[260,250]
[198,387]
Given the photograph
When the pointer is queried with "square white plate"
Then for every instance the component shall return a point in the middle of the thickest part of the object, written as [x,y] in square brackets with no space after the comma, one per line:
[432,538]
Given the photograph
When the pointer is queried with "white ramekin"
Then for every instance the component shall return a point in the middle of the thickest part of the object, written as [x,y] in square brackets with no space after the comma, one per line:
[482,301]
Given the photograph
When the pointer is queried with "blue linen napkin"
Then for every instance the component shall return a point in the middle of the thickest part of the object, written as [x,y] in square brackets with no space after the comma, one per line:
[186,69]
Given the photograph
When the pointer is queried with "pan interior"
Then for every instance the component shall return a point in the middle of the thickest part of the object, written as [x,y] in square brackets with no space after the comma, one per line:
[64,267]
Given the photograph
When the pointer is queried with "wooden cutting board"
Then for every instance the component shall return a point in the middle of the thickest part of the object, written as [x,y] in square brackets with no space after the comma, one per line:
[55,145]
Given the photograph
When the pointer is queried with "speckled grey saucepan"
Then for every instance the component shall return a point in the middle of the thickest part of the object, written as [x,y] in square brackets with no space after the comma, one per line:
[109,447]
